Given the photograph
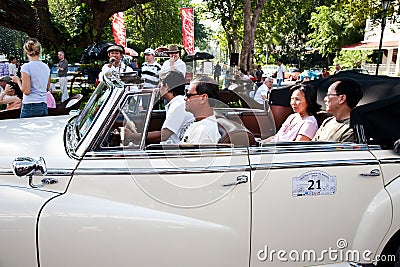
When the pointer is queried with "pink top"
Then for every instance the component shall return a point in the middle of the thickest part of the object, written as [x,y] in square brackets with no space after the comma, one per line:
[51,102]
[295,125]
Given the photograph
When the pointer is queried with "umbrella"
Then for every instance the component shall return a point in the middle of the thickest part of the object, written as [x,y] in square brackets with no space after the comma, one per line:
[96,51]
[160,51]
[131,52]
[199,56]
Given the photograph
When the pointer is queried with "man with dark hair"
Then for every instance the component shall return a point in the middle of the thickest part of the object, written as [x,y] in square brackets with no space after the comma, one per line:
[150,69]
[115,63]
[62,68]
[174,62]
[204,130]
[259,74]
[342,96]
[177,119]
[13,66]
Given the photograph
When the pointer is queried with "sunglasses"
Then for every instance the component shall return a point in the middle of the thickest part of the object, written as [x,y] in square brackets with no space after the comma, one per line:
[187,95]
[329,95]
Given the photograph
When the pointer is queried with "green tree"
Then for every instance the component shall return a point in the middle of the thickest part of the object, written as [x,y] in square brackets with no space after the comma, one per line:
[62,24]
[229,13]
[341,23]
[144,27]
[11,42]
[352,59]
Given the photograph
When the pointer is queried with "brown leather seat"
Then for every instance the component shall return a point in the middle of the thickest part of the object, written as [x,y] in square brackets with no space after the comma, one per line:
[234,133]
[72,103]
[10,114]
[321,116]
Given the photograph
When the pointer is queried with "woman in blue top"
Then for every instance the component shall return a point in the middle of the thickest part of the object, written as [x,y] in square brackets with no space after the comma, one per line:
[35,76]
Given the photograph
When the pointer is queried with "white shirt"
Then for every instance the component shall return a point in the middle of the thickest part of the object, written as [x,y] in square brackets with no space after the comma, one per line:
[279,71]
[122,68]
[202,132]
[150,74]
[179,66]
[261,91]
[12,69]
[177,119]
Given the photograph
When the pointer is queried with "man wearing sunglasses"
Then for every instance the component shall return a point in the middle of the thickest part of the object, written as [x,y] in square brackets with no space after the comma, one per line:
[174,62]
[177,119]
[343,95]
[204,129]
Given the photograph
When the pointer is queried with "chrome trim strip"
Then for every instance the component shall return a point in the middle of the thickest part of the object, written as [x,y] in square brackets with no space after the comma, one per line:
[147,120]
[300,147]
[126,171]
[50,172]
[134,154]
[390,161]
[313,164]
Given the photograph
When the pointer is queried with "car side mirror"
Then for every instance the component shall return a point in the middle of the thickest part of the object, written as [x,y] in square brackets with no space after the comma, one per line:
[25,166]
[397,147]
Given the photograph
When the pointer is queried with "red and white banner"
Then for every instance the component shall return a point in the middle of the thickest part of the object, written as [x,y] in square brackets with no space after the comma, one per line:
[118,29]
[188,29]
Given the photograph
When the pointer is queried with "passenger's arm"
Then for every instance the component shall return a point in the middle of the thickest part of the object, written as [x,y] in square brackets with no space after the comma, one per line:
[301,137]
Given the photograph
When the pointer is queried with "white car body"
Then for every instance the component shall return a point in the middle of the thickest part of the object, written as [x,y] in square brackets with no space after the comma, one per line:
[138,205]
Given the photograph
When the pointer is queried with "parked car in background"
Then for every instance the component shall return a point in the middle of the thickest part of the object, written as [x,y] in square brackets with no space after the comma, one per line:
[313,73]
[269,69]
[358,70]
[292,74]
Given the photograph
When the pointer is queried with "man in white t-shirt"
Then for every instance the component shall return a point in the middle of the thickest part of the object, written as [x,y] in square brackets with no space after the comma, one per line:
[204,130]
[177,119]
[174,62]
[280,73]
[13,67]
[264,90]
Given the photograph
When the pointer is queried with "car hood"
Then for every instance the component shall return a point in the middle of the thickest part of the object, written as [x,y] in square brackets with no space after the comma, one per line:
[35,137]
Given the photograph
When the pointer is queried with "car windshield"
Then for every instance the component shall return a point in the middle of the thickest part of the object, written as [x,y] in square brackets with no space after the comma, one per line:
[92,109]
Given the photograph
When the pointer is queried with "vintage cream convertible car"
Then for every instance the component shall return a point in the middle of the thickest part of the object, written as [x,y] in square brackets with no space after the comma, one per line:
[104,200]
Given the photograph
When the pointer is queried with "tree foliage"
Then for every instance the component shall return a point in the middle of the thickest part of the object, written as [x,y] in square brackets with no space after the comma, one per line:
[352,59]
[338,24]
[72,25]
[11,42]
[62,24]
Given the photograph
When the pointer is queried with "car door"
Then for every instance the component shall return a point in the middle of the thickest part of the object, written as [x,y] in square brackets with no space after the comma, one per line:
[164,205]
[21,198]
[312,203]
[152,208]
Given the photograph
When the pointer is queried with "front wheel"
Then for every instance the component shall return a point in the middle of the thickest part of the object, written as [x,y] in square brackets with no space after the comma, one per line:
[390,256]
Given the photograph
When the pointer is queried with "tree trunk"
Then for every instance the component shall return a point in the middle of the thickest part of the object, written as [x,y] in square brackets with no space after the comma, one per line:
[250,26]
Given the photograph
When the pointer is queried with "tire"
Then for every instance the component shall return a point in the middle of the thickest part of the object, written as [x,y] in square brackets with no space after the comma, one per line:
[391,250]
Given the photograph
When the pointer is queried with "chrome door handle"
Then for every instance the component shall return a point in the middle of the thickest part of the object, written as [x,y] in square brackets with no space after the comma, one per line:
[239,180]
[374,172]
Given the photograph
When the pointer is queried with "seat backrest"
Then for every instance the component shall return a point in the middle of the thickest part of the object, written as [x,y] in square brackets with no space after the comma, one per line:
[71,103]
[321,116]
[10,114]
[234,133]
